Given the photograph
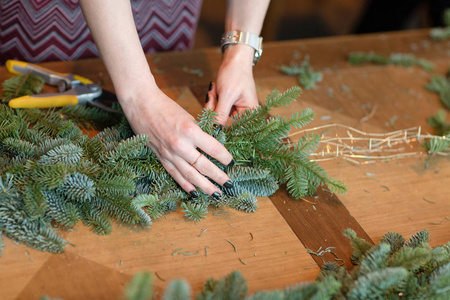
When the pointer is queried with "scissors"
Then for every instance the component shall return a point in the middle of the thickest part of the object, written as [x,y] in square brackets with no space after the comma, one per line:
[72,89]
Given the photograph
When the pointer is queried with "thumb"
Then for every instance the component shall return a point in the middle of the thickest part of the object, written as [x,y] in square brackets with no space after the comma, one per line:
[223,109]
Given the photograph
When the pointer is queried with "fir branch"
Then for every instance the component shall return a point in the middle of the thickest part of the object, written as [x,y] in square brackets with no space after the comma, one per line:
[34,201]
[141,287]
[53,124]
[410,258]
[114,184]
[178,289]
[89,117]
[437,144]
[440,85]
[19,147]
[419,239]
[439,287]
[378,284]
[359,245]
[97,219]
[244,202]
[68,154]
[395,240]
[285,99]
[440,34]
[194,212]
[34,233]
[232,286]
[144,200]
[62,211]
[400,59]
[22,85]
[438,122]
[122,210]
[78,187]
[306,75]
[296,182]
[158,208]
[259,182]
[207,121]
[376,258]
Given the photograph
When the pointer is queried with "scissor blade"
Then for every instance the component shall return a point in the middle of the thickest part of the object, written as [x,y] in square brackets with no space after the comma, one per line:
[107,97]
[102,106]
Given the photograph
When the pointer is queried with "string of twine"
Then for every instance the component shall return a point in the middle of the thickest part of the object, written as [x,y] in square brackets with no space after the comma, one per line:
[360,147]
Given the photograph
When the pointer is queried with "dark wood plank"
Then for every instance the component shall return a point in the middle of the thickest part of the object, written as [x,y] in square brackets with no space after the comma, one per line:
[318,221]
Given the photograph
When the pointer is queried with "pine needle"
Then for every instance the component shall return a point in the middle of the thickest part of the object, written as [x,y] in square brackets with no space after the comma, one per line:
[235,249]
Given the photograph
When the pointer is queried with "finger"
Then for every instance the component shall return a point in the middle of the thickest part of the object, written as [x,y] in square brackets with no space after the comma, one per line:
[184,184]
[213,148]
[207,168]
[192,175]
[223,109]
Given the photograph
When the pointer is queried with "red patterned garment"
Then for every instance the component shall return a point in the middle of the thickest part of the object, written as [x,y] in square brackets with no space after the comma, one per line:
[46,30]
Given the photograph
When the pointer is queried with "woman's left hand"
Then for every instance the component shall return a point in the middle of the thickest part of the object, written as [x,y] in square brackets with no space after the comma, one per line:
[235,89]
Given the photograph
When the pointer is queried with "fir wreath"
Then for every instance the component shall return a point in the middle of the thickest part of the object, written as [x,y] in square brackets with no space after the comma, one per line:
[53,175]
[395,268]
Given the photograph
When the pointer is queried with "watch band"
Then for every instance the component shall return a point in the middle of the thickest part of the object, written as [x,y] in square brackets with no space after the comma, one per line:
[246,38]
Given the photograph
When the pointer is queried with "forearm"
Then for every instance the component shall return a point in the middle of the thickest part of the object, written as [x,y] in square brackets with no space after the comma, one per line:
[246,15]
[113,29]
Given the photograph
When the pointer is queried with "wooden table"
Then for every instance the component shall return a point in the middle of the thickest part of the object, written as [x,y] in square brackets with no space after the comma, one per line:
[273,241]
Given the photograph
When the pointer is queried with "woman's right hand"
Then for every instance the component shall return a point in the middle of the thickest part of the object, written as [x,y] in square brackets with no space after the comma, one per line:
[175,137]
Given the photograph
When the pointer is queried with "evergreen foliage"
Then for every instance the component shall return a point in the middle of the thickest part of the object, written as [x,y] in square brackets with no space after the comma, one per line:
[438,122]
[178,290]
[440,34]
[306,75]
[56,175]
[140,287]
[440,85]
[389,270]
[194,211]
[400,59]
[24,84]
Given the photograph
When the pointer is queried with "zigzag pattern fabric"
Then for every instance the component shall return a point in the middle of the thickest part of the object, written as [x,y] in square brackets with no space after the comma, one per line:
[47,30]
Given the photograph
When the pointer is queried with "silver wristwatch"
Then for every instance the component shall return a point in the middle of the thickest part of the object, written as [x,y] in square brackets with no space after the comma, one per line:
[246,38]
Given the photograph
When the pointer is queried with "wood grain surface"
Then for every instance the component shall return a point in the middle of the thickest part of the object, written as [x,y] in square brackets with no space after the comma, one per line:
[394,195]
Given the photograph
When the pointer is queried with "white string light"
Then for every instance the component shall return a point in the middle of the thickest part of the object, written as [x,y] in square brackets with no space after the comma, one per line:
[356,146]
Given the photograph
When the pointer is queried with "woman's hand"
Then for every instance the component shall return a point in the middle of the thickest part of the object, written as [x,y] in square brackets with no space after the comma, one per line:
[174,137]
[235,89]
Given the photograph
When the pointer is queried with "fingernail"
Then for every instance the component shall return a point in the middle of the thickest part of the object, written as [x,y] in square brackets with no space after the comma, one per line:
[218,129]
[193,193]
[210,86]
[216,195]
[207,98]
[228,184]
[231,163]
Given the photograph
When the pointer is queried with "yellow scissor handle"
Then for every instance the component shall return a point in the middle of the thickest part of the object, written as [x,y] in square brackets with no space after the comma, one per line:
[21,67]
[42,101]
[82,79]
[10,64]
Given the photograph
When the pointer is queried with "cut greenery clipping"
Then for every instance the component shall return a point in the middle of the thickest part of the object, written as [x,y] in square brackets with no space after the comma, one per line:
[400,59]
[440,34]
[306,75]
[441,85]
[395,268]
[54,175]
